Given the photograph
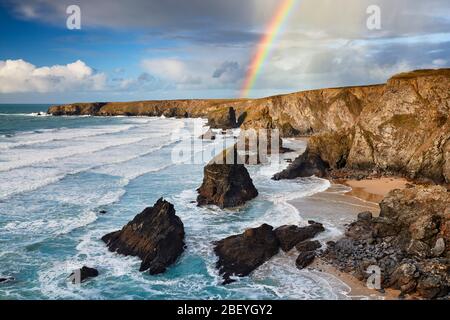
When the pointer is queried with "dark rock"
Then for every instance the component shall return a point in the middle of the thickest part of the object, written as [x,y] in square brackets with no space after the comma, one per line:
[429,286]
[305,259]
[365,216]
[362,228]
[83,274]
[407,242]
[289,236]
[306,165]
[6,279]
[239,255]
[156,236]
[403,278]
[226,186]
[223,118]
[308,246]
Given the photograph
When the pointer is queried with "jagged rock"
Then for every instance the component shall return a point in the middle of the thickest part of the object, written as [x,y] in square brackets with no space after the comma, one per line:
[429,286]
[239,255]
[289,236]
[361,229]
[305,259]
[6,279]
[224,118]
[307,165]
[404,278]
[226,185]
[83,274]
[156,236]
[308,246]
[404,242]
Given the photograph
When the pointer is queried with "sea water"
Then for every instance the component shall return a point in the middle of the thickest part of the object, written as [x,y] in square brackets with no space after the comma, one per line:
[67,181]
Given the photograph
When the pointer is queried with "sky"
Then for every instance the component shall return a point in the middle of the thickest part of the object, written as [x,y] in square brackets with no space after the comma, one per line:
[176,49]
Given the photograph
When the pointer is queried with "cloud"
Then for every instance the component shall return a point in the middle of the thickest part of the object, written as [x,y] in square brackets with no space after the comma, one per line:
[21,76]
[226,67]
[170,69]
[203,46]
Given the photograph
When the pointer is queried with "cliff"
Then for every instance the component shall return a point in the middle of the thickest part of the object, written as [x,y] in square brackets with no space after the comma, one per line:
[406,131]
[401,126]
[301,113]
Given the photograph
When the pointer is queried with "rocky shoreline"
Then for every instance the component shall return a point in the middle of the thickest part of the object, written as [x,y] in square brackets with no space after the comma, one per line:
[401,128]
[408,242]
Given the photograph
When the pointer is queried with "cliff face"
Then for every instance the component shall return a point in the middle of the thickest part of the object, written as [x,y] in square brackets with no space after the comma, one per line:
[402,126]
[293,114]
[408,129]
[405,130]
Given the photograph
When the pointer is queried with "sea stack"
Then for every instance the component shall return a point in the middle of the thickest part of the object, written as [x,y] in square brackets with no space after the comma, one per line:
[156,236]
[226,185]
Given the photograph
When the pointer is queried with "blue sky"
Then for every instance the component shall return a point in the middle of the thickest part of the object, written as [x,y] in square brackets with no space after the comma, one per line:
[141,50]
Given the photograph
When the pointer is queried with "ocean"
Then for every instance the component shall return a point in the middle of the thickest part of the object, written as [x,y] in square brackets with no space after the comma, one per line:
[67,181]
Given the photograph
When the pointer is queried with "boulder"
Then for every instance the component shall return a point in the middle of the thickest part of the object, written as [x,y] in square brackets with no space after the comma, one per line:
[239,255]
[83,274]
[289,236]
[156,236]
[226,186]
[408,242]
[305,259]
[306,246]
[6,279]
[307,165]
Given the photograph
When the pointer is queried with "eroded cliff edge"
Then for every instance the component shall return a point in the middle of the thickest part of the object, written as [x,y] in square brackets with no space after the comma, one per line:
[400,127]
[405,131]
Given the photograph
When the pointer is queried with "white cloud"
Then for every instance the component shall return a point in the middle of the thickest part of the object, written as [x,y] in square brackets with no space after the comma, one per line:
[170,69]
[22,76]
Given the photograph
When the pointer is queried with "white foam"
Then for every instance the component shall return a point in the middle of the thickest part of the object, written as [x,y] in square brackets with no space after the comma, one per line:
[53,226]
[89,156]
[49,135]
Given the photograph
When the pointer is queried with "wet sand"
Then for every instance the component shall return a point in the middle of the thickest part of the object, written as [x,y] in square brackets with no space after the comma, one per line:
[374,190]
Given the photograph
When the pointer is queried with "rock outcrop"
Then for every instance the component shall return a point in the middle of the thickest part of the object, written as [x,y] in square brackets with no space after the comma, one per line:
[156,236]
[410,242]
[406,130]
[241,254]
[6,279]
[226,185]
[222,118]
[290,236]
[83,274]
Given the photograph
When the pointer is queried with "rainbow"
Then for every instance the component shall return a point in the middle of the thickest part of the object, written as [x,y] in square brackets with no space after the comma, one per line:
[265,45]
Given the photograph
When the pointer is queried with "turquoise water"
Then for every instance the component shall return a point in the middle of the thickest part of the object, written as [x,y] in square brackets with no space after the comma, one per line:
[58,173]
